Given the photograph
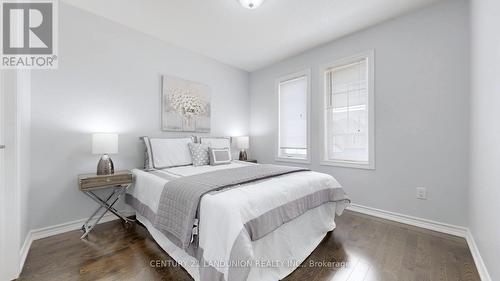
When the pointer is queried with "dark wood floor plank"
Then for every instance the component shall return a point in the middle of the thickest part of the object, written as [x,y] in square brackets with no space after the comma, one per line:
[408,263]
[361,248]
[438,260]
[423,258]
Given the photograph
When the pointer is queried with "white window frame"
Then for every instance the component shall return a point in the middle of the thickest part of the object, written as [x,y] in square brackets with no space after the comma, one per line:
[370,57]
[291,159]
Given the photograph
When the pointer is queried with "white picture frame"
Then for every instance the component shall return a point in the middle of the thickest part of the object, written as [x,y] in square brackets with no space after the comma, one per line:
[185,106]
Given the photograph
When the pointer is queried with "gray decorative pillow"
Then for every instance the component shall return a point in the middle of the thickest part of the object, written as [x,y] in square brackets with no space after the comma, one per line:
[219,156]
[199,153]
[217,142]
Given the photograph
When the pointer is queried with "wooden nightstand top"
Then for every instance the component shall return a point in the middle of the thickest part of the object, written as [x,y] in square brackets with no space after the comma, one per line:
[93,181]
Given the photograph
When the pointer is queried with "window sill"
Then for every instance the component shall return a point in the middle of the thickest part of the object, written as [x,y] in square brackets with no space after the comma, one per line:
[348,164]
[293,160]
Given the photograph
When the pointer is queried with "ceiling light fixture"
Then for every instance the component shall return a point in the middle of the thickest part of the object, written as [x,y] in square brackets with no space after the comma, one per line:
[251,4]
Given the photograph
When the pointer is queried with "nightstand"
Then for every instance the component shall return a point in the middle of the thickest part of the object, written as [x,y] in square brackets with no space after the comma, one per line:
[118,182]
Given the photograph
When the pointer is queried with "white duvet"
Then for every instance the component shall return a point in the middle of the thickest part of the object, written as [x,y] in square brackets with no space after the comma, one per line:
[221,216]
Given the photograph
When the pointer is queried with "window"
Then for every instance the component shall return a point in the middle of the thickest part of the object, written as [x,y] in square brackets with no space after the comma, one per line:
[293,100]
[349,113]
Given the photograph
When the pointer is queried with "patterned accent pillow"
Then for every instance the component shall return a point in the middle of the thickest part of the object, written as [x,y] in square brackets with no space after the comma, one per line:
[199,153]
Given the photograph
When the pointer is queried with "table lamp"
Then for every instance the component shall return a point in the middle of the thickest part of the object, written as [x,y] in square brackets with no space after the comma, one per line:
[104,144]
[243,143]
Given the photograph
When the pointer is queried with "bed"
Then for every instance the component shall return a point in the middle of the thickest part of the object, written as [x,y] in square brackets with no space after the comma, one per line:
[254,230]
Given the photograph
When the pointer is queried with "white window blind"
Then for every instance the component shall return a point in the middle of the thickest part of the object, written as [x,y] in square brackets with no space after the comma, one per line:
[293,103]
[347,115]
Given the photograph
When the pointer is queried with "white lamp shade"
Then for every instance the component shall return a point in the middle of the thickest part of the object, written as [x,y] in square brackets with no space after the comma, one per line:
[103,143]
[243,142]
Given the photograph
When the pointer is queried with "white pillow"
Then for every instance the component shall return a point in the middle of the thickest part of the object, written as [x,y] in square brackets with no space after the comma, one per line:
[222,142]
[148,157]
[167,153]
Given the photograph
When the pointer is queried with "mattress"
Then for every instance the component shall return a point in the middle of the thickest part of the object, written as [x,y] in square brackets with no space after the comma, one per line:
[271,257]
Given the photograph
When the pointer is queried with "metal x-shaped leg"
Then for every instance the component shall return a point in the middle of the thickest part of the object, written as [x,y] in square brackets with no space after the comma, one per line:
[115,195]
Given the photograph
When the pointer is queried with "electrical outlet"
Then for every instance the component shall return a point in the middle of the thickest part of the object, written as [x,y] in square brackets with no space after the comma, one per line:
[422,193]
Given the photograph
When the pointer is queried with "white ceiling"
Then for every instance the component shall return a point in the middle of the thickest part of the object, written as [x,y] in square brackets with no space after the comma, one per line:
[248,39]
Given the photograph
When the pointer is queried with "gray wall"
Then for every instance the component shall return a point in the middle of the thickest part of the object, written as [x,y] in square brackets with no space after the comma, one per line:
[109,80]
[422,112]
[485,132]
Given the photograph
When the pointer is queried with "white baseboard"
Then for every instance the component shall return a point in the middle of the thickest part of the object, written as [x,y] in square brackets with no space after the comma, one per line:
[478,260]
[410,220]
[24,251]
[45,232]
[431,225]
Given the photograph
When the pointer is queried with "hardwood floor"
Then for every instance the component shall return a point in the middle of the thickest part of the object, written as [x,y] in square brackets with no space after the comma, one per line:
[361,248]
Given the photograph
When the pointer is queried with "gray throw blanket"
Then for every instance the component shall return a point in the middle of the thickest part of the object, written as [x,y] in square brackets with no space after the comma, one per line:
[180,199]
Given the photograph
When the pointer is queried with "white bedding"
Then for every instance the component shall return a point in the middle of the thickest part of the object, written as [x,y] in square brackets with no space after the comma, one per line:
[291,243]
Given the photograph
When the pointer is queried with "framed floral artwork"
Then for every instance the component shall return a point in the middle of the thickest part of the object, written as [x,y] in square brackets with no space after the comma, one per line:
[185,106]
